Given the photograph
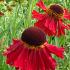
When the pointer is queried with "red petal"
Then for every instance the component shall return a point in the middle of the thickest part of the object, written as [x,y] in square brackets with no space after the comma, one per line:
[61,28]
[48,20]
[41,24]
[13,54]
[34,60]
[40,62]
[49,62]
[60,31]
[62,24]
[66,14]
[14,45]
[41,5]
[21,61]
[31,60]
[28,65]
[55,50]
[37,15]
[52,26]
[15,41]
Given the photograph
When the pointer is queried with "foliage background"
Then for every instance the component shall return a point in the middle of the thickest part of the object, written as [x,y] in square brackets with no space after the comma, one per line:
[17,17]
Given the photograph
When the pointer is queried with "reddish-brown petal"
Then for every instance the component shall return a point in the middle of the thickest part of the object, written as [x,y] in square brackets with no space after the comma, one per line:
[55,50]
[41,5]
[37,15]
[66,14]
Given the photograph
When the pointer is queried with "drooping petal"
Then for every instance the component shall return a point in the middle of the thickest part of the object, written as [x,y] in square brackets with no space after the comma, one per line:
[14,45]
[21,61]
[55,50]
[41,24]
[28,65]
[62,24]
[60,31]
[34,60]
[66,14]
[41,63]
[37,15]
[48,20]
[12,55]
[61,28]
[31,60]
[41,5]
[52,26]
[49,62]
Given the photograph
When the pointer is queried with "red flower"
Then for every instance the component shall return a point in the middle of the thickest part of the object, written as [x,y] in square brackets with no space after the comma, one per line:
[33,52]
[52,20]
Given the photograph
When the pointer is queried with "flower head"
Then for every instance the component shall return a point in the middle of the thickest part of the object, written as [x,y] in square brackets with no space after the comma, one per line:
[33,36]
[51,22]
[32,51]
[55,11]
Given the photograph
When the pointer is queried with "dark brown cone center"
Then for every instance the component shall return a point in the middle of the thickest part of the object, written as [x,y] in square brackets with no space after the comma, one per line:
[33,36]
[56,8]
